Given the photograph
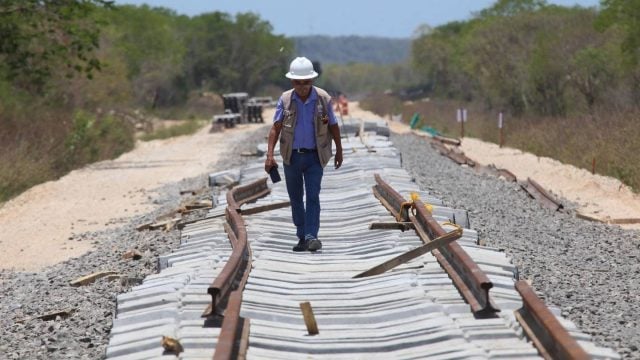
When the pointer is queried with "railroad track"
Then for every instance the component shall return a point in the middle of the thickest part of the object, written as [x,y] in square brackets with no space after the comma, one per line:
[376,290]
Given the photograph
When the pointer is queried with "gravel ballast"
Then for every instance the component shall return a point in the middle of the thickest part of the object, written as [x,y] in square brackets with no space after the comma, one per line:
[84,332]
[591,271]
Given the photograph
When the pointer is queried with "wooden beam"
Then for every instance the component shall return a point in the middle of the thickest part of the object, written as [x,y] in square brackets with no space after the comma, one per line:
[412,254]
[309,319]
[263,208]
[88,279]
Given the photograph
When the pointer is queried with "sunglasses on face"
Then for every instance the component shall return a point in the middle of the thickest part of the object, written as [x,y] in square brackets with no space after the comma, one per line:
[301,82]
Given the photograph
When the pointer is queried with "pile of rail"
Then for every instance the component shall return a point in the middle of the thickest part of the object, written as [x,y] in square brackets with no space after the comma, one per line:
[236,268]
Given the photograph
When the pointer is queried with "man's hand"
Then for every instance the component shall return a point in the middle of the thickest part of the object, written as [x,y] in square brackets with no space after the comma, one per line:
[269,163]
[338,159]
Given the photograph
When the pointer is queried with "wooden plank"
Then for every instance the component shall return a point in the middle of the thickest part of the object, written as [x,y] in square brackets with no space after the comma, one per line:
[164,224]
[263,208]
[412,254]
[199,205]
[624,221]
[588,217]
[309,318]
[88,279]
[143,226]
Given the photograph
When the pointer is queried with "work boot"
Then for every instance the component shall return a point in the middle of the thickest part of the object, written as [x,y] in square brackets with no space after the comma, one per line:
[303,245]
[313,243]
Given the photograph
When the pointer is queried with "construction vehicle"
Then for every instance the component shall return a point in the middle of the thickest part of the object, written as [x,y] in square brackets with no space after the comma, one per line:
[238,108]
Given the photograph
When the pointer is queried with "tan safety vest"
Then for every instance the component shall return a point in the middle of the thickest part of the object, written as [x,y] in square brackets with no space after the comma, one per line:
[324,145]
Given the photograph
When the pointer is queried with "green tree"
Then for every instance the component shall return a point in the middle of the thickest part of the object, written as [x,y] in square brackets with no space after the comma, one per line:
[520,56]
[512,7]
[150,42]
[436,56]
[625,14]
[594,71]
[37,37]
[228,55]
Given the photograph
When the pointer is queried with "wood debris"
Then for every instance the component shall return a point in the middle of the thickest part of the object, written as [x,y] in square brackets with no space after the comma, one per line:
[88,279]
[309,318]
[199,205]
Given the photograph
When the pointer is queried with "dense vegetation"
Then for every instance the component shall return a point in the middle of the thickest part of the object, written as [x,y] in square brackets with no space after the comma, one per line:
[567,80]
[344,50]
[78,76]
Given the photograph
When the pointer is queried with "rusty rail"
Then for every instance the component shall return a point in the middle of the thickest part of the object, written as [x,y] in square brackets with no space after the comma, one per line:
[447,140]
[223,283]
[540,325]
[457,156]
[241,195]
[506,174]
[543,196]
[551,339]
[471,281]
[226,289]
[230,342]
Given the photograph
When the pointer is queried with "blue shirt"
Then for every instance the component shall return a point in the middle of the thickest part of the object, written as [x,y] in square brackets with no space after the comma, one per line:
[304,135]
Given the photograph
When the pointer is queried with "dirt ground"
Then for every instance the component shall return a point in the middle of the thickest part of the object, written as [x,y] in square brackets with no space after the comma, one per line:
[37,227]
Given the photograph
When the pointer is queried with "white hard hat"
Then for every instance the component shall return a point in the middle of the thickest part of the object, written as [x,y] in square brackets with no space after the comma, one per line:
[300,69]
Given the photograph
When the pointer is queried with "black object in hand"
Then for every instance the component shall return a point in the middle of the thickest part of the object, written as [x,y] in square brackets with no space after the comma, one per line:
[275,175]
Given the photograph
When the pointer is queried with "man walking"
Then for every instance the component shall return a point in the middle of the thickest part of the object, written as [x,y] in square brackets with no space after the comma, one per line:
[305,123]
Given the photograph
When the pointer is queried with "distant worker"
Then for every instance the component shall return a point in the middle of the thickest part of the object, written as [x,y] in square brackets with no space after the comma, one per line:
[344,105]
[305,123]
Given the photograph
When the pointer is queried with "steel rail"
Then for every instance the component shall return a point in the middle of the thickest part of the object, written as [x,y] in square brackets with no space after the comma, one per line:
[226,289]
[469,279]
[548,335]
[538,192]
[222,284]
[458,157]
[241,195]
[508,175]
[235,228]
[540,325]
[447,140]
[230,344]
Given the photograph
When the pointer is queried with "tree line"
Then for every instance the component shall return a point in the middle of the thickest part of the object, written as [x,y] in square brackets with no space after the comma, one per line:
[155,55]
[74,72]
[529,57]
[69,67]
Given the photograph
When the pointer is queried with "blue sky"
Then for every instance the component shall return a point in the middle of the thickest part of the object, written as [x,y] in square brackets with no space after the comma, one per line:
[396,19]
